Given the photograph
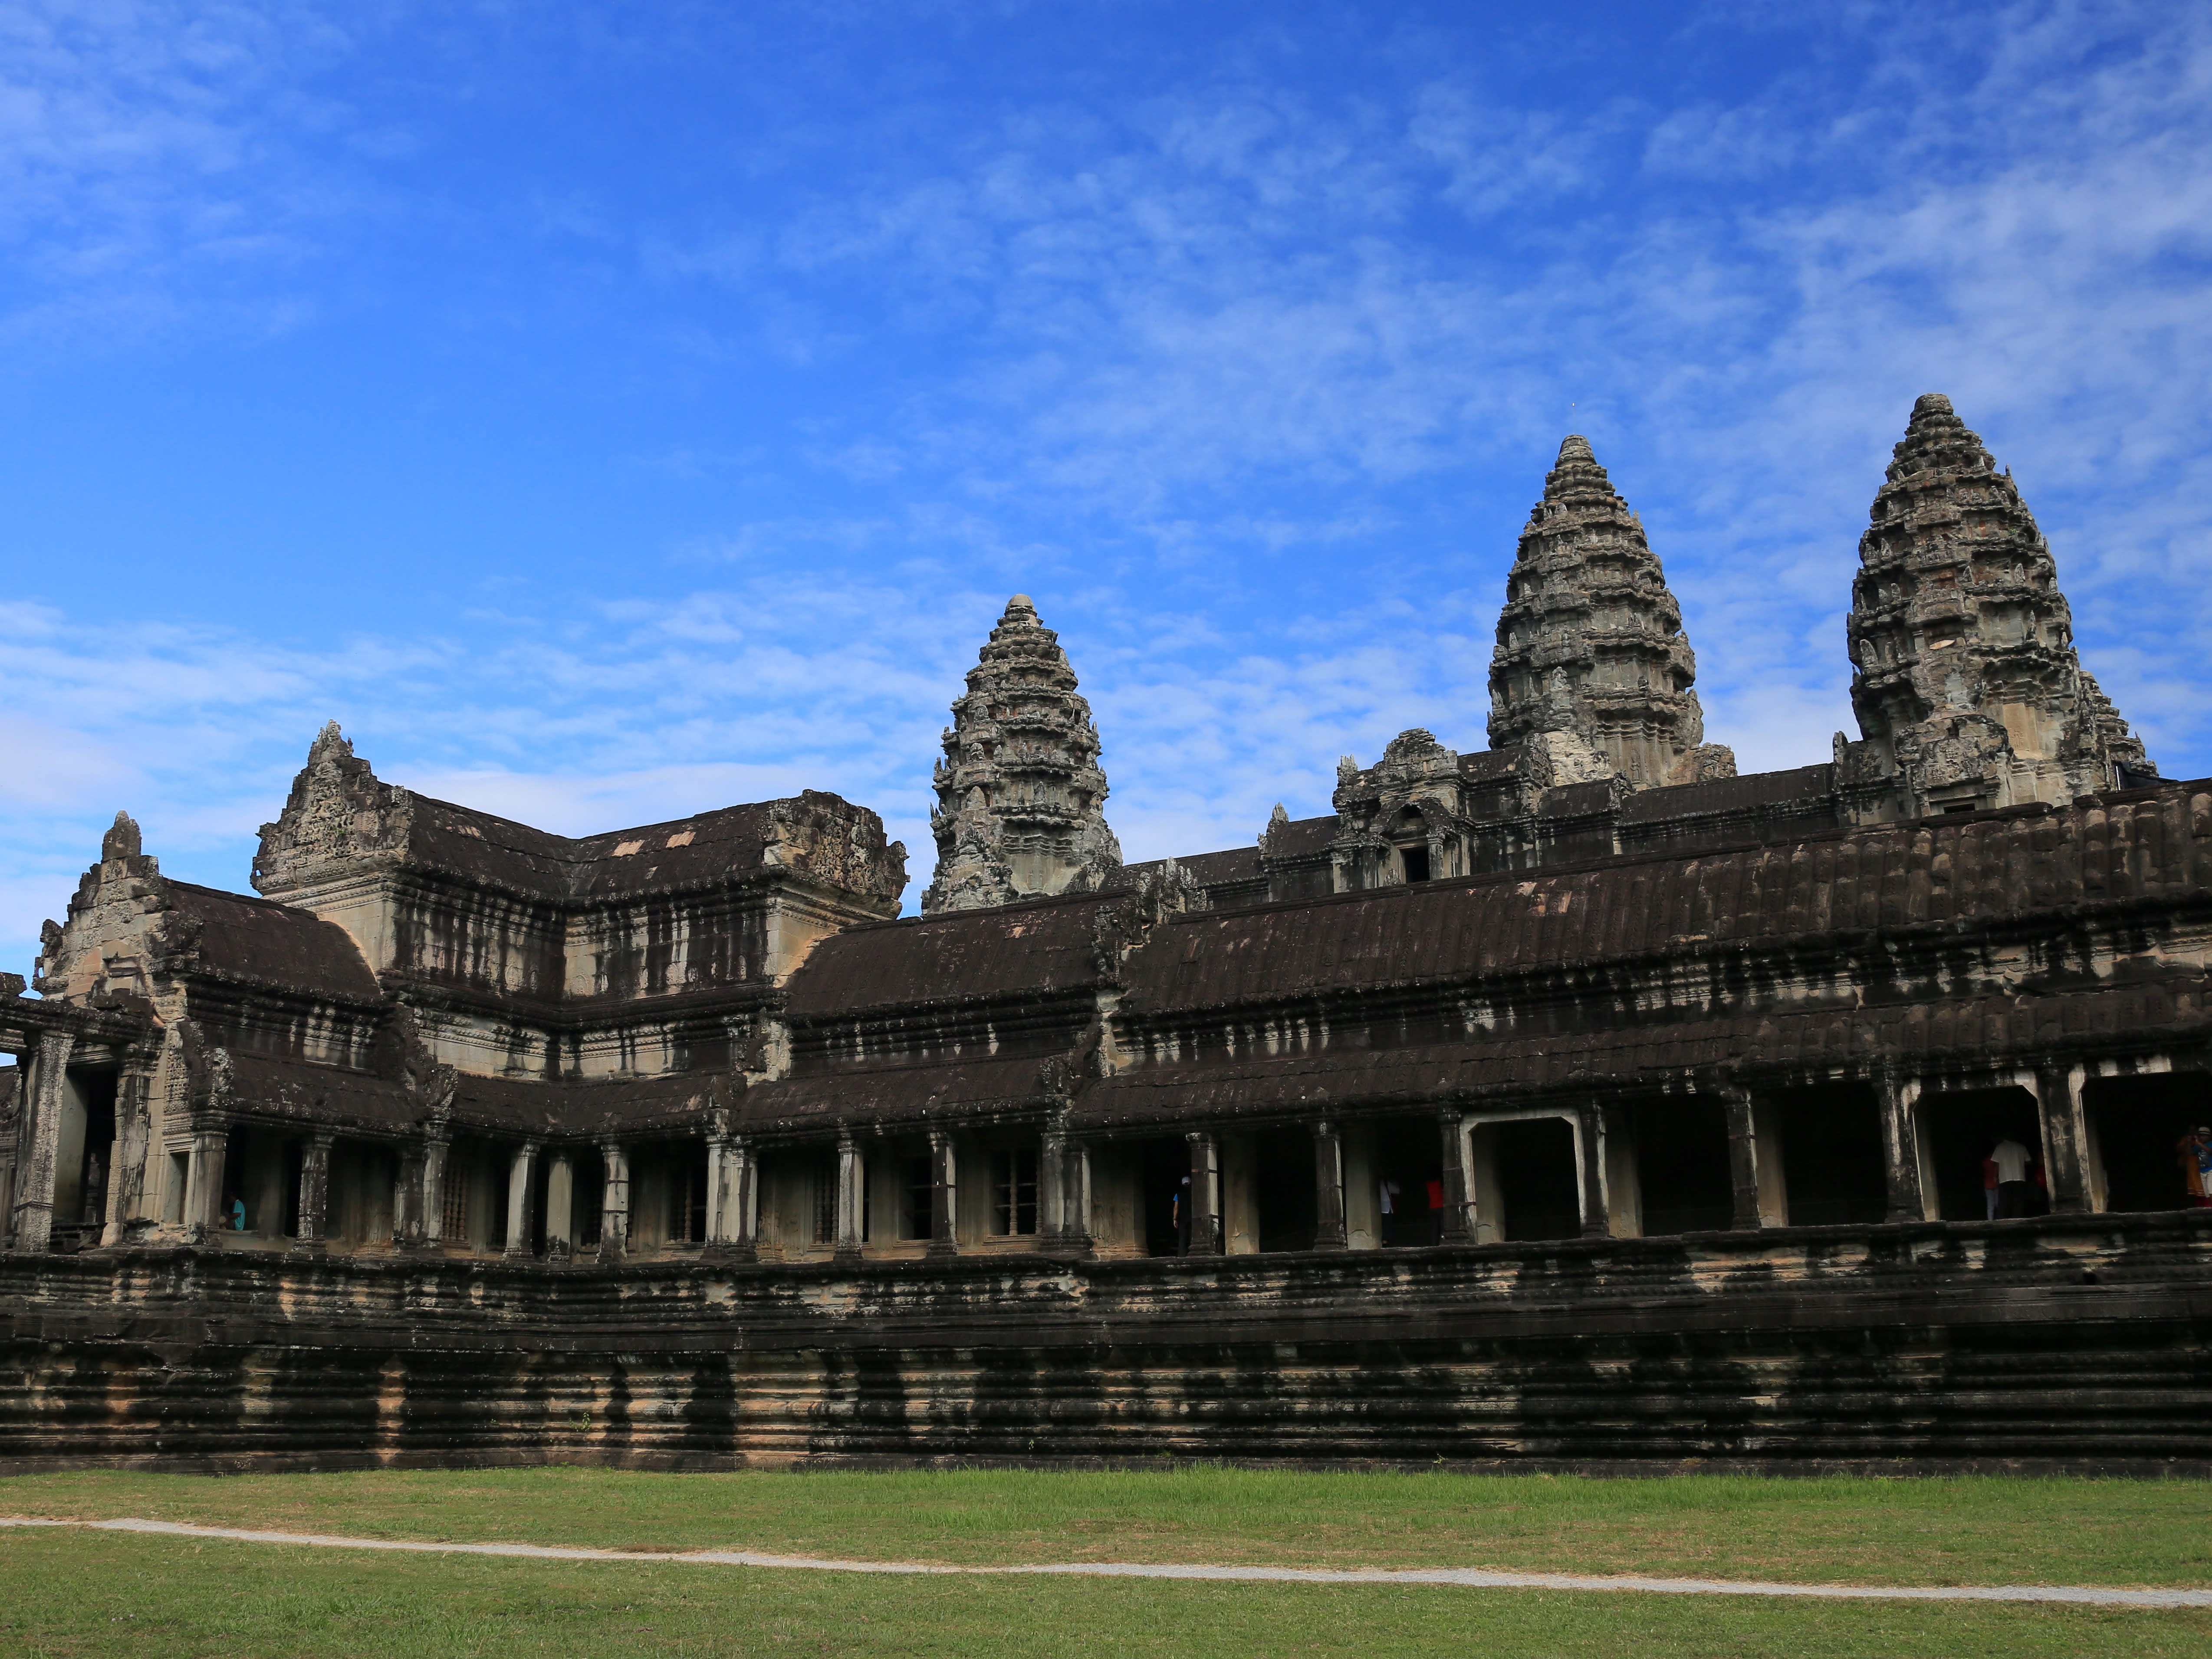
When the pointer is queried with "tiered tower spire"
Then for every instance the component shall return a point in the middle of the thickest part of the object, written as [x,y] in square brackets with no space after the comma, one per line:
[1020,795]
[1966,679]
[1591,640]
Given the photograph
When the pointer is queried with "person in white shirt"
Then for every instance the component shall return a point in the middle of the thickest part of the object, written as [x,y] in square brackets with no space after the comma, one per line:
[2014,1163]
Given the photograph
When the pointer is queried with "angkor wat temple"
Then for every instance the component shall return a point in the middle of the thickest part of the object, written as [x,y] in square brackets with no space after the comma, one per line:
[1576,1098]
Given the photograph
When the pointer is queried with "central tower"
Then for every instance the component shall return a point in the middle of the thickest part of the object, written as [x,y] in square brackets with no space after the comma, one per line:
[1020,798]
[1591,639]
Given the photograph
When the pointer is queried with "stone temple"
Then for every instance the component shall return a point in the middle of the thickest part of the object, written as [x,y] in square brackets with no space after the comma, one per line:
[1575,1099]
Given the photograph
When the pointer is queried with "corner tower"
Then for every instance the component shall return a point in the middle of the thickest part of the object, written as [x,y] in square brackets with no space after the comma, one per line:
[1020,798]
[1591,637]
[1965,677]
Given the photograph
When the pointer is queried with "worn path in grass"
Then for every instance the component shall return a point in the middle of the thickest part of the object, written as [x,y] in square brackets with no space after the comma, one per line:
[1980,1531]
[1472,1578]
[69,1592]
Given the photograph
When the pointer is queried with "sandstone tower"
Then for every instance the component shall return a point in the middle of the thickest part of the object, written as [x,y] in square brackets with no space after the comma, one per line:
[1965,681]
[1591,642]
[1020,797]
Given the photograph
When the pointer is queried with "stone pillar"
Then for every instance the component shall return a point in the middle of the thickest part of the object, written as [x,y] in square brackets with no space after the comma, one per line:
[1329,1187]
[203,1217]
[614,1202]
[560,1207]
[718,1191]
[1455,1222]
[521,1187]
[38,1140]
[126,1180]
[852,1170]
[1590,1189]
[1052,1189]
[2065,1138]
[944,1194]
[314,1191]
[1904,1150]
[437,1151]
[741,1221]
[1754,1162]
[1075,1233]
[1205,1194]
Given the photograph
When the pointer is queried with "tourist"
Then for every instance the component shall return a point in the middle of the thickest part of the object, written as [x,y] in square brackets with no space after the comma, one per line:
[2012,1160]
[2195,1153]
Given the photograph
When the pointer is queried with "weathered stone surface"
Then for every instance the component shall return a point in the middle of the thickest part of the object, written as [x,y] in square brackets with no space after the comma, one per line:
[1020,798]
[1966,680]
[1966,1344]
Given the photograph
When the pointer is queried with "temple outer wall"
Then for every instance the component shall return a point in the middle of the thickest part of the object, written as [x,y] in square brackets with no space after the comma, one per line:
[2075,1341]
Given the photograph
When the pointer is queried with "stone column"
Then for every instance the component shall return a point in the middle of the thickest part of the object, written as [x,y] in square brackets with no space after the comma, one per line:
[614,1202]
[852,1170]
[1052,1189]
[1754,1162]
[1205,1194]
[1455,1222]
[1590,1189]
[1075,1233]
[203,1217]
[314,1191]
[560,1207]
[38,1140]
[741,1220]
[521,1187]
[2065,1138]
[1329,1187]
[126,1179]
[1911,1190]
[944,1194]
[437,1153]
[718,1191]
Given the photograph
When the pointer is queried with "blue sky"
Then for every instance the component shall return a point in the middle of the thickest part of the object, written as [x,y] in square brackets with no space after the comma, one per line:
[607,412]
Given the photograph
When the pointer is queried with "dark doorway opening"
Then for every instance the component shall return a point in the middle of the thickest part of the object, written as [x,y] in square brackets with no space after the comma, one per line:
[98,1164]
[2139,1123]
[1416,860]
[1534,1158]
[1832,1162]
[1283,1182]
[1408,1164]
[1163,1167]
[1682,1166]
[588,1180]
[1962,1127]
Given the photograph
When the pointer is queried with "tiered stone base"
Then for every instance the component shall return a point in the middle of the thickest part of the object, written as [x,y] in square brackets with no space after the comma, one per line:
[2081,1342]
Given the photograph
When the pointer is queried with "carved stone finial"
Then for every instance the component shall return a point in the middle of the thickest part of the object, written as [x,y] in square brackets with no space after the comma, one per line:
[1622,688]
[121,840]
[1020,795]
[1280,815]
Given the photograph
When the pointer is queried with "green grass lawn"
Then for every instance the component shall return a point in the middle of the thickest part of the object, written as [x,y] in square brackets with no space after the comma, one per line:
[1968,1531]
[89,1592]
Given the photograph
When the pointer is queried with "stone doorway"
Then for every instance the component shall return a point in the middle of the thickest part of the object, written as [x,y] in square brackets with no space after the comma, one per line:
[1960,1127]
[2137,1124]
